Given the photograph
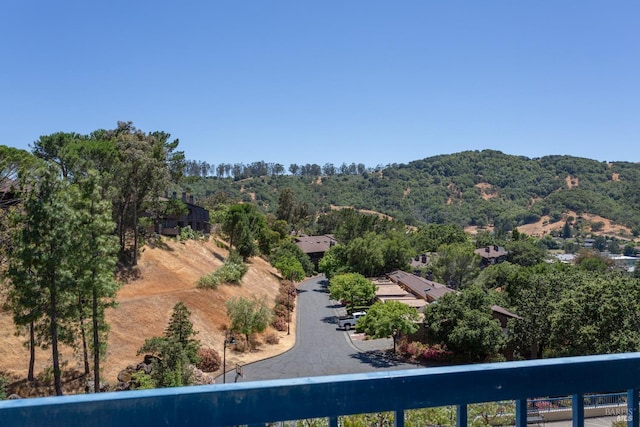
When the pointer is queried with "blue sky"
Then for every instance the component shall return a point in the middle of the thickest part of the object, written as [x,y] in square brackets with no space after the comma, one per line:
[293,81]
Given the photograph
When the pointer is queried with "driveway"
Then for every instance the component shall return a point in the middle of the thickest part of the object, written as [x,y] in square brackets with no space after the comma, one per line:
[321,349]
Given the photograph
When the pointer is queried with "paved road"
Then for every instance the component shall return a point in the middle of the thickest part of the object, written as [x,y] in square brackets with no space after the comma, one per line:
[320,349]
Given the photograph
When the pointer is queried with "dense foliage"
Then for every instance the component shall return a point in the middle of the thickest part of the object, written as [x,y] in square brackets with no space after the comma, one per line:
[352,289]
[566,310]
[468,188]
[464,323]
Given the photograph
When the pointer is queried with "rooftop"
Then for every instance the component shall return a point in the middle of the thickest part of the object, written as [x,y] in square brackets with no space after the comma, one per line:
[315,244]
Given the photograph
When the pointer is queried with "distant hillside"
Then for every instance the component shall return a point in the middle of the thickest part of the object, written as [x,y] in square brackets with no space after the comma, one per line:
[472,188]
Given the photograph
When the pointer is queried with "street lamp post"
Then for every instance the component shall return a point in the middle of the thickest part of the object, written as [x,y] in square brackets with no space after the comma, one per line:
[231,340]
[288,312]
[291,293]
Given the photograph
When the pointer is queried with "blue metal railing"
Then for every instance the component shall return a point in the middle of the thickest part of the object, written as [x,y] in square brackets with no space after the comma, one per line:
[590,401]
[258,403]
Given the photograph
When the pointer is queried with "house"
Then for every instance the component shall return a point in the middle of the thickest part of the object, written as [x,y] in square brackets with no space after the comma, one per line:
[492,255]
[391,290]
[315,246]
[503,315]
[197,218]
[425,289]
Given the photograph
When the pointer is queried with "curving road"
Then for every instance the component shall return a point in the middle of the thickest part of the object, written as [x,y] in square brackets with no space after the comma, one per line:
[320,348]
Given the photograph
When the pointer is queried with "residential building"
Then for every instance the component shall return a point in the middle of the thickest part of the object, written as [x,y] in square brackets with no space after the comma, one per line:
[315,246]
[197,218]
[492,255]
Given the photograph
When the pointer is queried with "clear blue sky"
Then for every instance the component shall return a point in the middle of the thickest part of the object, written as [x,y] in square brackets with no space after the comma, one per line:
[293,81]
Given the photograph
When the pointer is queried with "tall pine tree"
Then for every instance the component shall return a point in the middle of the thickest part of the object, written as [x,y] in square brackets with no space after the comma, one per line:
[38,265]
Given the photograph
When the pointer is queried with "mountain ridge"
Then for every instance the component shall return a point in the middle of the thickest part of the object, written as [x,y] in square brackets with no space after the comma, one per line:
[472,188]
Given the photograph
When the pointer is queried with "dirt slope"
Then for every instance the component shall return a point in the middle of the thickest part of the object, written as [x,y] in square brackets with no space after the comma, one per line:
[543,226]
[167,275]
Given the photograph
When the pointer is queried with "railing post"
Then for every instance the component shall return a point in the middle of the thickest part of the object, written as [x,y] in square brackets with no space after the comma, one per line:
[521,413]
[461,416]
[632,407]
[577,410]
[398,420]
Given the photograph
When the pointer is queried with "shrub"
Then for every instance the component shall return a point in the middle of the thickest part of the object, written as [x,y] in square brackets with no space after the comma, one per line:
[232,271]
[285,301]
[543,405]
[421,352]
[241,344]
[436,353]
[272,338]
[142,381]
[210,281]
[280,311]
[280,323]
[3,386]
[288,288]
[187,233]
[208,360]
[415,349]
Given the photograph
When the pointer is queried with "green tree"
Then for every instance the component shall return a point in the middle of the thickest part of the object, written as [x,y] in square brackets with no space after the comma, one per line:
[464,323]
[248,316]
[428,238]
[290,269]
[333,262]
[530,334]
[13,164]
[175,352]
[352,288]
[243,225]
[287,249]
[597,315]
[396,251]
[286,206]
[39,268]
[497,275]
[93,266]
[456,264]
[389,319]
[59,149]
[146,164]
[365,255]
[525,252]
[593,261]
[181,329]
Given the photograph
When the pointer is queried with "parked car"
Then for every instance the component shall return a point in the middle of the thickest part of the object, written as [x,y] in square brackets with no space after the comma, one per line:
[349,321]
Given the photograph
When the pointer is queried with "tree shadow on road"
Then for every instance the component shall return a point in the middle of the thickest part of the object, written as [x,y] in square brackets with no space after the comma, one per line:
[329,319]
[379,358]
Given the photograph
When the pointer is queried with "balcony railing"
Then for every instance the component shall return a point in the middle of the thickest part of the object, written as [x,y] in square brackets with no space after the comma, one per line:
[259,403]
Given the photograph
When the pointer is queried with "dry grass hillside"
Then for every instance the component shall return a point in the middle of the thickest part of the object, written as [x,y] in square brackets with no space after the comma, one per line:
[167,274]
[543,226]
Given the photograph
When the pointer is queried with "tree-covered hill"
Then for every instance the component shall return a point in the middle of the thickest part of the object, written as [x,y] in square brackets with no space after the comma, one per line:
[480,188]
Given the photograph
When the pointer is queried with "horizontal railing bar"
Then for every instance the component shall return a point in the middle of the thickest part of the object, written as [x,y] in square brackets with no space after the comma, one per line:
[332,396]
